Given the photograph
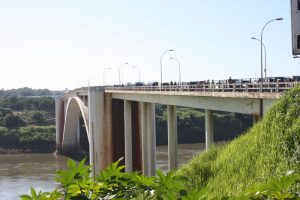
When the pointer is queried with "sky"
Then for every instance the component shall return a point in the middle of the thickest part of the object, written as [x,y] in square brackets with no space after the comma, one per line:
[62,44]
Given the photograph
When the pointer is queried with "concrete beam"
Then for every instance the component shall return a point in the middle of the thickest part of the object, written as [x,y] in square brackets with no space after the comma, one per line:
[243,105]
[172,137]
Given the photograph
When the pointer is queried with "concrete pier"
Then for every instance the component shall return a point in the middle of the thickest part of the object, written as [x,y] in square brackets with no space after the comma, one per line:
[107,143]
[136,136]
[118,130]
[128,136]
[144,130]
[96,127]
[59,117]
[151,129]
[208,128]
[172,137]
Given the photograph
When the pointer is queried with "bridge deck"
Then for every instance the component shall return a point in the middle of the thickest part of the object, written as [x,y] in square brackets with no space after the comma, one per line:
[252,95]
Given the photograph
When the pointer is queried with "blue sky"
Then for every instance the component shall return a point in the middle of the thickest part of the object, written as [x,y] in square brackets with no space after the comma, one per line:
[62,44]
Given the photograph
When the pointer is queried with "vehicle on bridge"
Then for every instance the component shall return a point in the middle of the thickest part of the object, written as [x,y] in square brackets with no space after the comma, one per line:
[139,84]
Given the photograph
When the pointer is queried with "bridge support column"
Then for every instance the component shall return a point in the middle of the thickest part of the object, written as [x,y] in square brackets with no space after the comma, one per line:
[108,142]
[145,156]
[96,128]
[255,118]
[59,115]
[136,136]
[118,130]
[128,136]
[172,137]
[151,129]
[208,128]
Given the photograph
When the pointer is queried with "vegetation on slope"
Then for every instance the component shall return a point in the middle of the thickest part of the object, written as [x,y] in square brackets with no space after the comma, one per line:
[26,121]
[112,183]
[270,149]
[27,92]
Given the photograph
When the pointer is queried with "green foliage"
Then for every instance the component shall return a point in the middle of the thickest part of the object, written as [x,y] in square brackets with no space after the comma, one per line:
[199,168]
[278,188]
[27,103]
[12,121]
[113,183]
[5,111]
[32,133]
[37,117]
[20,114]
[268,150]
[41,195]
[35,138]
[26,92]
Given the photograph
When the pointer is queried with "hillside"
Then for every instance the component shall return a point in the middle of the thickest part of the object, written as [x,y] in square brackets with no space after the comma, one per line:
[271,148]
[27,120]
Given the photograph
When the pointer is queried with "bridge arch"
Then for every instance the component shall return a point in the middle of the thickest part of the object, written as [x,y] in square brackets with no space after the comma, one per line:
[70,141]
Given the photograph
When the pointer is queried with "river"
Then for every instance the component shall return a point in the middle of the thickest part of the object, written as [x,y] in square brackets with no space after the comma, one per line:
[19,172]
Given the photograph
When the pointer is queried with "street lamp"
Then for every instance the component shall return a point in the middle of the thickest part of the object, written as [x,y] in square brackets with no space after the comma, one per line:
[161,64]
[265,70]
[179,69]
[126,63]
[261,62]
[261,46]
[104,75]
[139,72]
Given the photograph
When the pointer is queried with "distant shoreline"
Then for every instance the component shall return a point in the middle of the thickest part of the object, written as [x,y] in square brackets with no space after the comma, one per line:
[19,151]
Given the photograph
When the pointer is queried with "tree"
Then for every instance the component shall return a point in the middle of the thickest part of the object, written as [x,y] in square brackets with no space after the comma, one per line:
[12,121]
[37,118]
[4,111]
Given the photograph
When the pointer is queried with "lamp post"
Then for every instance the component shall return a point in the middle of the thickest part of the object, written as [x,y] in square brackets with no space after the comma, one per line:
[179,69]
[261,47]
[161,64]
[139,72]
[261,62]
[104,75]
[126,63]
[265,70]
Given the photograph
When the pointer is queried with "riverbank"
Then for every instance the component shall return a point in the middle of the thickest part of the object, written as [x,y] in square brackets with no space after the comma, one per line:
[24,150]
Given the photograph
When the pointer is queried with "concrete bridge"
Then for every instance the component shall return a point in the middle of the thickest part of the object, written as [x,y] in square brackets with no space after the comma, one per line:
[120,121]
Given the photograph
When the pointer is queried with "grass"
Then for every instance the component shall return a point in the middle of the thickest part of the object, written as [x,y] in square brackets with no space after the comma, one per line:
[269,149]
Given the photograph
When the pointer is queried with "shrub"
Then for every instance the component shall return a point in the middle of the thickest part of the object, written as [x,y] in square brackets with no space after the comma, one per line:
[113,183]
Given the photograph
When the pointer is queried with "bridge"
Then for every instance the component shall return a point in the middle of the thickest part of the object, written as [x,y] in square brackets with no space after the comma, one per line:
[120,121]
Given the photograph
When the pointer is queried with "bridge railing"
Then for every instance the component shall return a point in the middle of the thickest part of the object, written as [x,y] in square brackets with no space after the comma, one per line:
[274,87]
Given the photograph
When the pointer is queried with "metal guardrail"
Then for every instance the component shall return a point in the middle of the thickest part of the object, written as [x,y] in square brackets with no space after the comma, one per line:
[272,87]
